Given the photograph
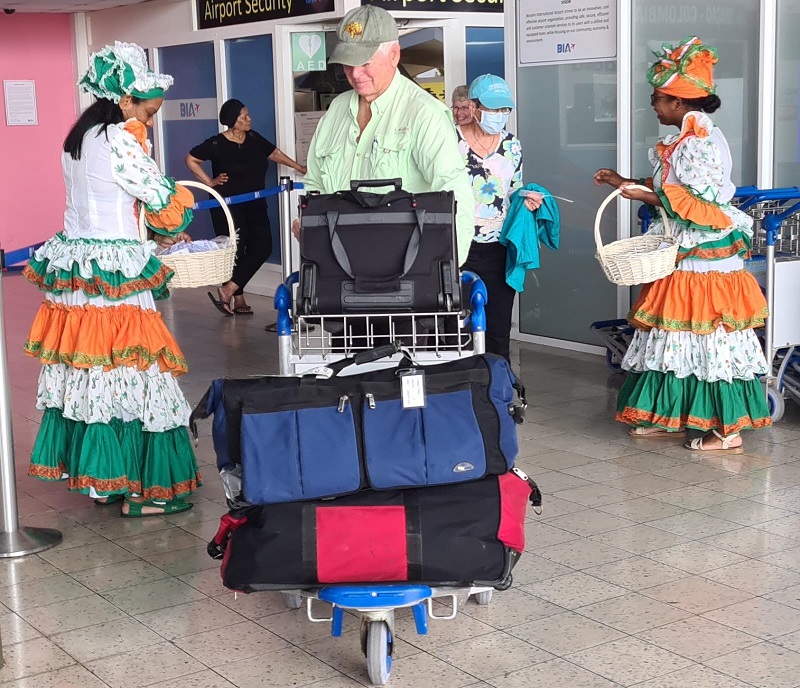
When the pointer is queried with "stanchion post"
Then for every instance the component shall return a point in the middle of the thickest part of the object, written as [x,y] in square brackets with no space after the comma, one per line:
[285,211]
[15,541]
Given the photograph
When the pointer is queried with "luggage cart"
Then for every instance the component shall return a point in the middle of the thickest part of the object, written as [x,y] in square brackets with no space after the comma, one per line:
[307,345]
[776,265]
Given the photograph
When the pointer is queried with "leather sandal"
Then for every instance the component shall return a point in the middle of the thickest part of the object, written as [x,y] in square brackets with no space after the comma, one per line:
[697,444]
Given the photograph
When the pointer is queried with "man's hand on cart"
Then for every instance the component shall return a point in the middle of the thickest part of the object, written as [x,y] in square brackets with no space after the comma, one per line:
[296,229]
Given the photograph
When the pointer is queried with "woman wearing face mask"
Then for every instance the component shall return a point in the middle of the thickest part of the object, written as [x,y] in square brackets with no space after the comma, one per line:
[494,162]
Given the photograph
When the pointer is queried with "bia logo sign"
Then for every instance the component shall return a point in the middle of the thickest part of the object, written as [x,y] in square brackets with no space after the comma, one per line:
[189,109]
[565,47]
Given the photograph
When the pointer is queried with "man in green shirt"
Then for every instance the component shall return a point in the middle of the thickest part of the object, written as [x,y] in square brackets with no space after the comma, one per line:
[387,127]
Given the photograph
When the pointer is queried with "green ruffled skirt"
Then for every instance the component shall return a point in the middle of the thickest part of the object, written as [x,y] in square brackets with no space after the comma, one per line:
[656,399]
[115,458]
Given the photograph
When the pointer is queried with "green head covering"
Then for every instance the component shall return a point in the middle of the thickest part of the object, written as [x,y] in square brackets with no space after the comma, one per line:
[122,70]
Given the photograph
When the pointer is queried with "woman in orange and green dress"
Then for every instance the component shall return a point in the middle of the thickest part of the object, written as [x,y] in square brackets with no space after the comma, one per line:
[694,358]
[115,421]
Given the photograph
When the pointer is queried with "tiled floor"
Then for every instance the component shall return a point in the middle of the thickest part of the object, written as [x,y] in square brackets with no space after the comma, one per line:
[650,566]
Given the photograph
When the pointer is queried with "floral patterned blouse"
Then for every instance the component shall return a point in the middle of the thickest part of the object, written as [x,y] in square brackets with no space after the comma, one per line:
[494,178]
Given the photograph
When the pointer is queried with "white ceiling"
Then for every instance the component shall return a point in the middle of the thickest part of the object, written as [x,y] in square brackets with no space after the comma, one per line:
[64,5]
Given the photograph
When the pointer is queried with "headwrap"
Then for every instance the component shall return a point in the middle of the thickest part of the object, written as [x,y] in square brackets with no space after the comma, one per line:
[684,71]
[229,112]
[120,71]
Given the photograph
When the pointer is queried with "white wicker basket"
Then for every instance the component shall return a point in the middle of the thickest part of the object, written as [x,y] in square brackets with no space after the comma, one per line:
[636,260]
[205,268]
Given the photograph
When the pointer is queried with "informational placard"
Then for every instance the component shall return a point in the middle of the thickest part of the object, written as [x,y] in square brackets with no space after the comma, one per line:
[215,13]
[562,31]
[438,5]
[20,99]
[308,52]
[305,124]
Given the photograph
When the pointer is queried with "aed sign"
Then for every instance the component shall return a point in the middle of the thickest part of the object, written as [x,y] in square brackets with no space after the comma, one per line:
[308,51]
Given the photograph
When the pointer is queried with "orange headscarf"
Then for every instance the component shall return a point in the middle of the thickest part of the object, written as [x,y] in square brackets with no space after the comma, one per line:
[685,70]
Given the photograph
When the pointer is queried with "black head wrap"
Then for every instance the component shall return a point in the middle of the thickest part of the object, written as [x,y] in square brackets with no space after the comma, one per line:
[229,112]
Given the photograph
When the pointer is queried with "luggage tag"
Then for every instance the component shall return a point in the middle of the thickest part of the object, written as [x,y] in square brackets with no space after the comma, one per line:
[412,387]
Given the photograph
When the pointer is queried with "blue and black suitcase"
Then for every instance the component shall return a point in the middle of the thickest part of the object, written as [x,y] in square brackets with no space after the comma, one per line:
[295,439]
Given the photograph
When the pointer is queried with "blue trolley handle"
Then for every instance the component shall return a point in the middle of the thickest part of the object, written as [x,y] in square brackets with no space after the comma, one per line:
[478,298]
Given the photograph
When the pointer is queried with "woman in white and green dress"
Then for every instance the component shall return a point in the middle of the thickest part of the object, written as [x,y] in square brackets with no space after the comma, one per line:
[115,421]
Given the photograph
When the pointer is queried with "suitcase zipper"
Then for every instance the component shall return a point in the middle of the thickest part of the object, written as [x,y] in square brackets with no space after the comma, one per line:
[370,399]
[343,400]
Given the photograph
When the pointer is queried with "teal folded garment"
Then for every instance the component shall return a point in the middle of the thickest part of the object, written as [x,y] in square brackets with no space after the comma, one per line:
[524,230]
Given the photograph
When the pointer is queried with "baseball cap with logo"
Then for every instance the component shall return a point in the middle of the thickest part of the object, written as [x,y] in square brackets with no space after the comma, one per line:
[492,92]
[360,33]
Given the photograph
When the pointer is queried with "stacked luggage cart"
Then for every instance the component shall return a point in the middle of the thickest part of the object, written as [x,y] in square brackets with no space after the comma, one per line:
[376,471]
[775,262]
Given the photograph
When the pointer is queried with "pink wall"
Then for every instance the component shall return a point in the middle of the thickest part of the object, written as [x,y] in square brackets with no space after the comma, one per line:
[38,47]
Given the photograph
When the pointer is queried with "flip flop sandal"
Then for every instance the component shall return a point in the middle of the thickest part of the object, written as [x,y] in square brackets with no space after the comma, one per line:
[243,310]
[220,305]
[111,499]
[639,434]
[726,448]
[136,509]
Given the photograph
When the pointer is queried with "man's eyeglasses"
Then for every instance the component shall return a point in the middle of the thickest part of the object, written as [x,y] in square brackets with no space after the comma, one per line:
[655,97]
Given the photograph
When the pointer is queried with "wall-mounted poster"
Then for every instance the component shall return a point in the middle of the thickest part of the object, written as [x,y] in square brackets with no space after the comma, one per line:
[565,31]
[20,103]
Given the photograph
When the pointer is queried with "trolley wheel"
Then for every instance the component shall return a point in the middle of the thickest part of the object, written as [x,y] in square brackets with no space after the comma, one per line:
[505,584]
[293,600]
[776,404]
[611,363]
[483,598]
[379,652]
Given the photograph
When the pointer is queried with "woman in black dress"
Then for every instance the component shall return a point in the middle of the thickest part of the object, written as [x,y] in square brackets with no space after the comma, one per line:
[239,158]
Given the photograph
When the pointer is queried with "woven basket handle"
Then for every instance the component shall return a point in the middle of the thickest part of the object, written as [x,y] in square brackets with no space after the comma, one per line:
[223,205]
[616,192]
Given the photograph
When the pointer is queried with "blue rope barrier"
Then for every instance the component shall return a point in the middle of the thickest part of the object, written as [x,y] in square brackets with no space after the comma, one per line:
[245,197]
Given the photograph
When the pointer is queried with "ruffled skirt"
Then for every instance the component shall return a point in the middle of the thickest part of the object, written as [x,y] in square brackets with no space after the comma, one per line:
[115,420]
[694,359]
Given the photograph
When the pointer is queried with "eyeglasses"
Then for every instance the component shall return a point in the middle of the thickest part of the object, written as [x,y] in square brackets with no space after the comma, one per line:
[460,108]
[655,97]
[505,111]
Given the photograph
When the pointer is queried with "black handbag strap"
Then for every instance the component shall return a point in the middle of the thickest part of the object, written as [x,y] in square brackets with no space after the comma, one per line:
[343,260]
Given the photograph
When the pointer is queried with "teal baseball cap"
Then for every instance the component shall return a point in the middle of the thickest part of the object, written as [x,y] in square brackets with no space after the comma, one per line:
[492,92]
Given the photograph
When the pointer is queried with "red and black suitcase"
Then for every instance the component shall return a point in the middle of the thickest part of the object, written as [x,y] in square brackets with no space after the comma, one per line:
[463,534]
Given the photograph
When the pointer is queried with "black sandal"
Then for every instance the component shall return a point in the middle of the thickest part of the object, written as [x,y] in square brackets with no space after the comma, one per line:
[220,305]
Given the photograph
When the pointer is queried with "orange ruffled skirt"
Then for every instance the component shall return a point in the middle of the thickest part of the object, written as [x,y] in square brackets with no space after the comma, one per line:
[699,302]
[88,336]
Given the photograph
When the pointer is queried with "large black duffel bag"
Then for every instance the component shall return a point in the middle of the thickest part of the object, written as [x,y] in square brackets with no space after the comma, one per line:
[365,252]
[470,533]
[304,438]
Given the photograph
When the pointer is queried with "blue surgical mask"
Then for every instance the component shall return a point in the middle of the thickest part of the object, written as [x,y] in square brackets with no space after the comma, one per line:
[493,122]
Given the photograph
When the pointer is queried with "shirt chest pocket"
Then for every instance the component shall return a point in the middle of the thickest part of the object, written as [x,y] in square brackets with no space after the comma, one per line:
[390,153]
